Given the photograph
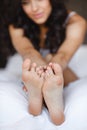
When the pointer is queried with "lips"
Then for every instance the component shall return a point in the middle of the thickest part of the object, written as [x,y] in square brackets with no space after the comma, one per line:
[39,15]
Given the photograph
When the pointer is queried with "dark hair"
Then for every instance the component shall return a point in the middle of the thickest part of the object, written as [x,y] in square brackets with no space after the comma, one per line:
[15,15]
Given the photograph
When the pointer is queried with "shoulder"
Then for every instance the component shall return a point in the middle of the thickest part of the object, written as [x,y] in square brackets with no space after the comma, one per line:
[15,31]
[74,17]
[76,26]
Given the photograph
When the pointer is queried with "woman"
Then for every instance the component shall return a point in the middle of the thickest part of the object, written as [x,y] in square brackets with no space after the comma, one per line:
[36,26]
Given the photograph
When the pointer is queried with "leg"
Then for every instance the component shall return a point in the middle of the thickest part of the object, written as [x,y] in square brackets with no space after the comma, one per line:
[69,75]
[33,83]
[53,93]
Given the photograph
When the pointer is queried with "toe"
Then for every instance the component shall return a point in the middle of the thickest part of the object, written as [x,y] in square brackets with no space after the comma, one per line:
[57,69]
[50,71]
[26,65]
[33,67]
[25,69]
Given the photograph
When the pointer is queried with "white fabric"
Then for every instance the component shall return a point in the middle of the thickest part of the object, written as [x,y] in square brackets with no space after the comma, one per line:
[14,103]
[72,13]
[79,62]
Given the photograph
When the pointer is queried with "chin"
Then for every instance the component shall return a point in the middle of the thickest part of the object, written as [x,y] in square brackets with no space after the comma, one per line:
[40,21]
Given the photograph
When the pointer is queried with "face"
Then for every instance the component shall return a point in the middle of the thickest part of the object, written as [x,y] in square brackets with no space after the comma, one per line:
[37,10]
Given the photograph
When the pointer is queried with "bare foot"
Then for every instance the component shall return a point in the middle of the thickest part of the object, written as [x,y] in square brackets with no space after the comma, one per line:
[33,83]
[53,93]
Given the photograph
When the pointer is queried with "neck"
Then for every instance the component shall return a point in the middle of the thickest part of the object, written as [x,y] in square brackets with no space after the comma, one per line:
[43,29]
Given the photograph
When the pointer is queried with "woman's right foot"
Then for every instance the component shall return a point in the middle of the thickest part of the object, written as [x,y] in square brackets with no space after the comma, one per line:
[33,83]
[53,93]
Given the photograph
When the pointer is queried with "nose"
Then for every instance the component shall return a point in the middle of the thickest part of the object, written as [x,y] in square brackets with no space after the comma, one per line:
[34,6]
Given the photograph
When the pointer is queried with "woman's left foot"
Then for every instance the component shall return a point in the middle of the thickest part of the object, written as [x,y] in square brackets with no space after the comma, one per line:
[53,93]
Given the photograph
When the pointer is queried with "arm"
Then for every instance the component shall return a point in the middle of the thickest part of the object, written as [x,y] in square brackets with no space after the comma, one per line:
[24,46]
[75,33]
